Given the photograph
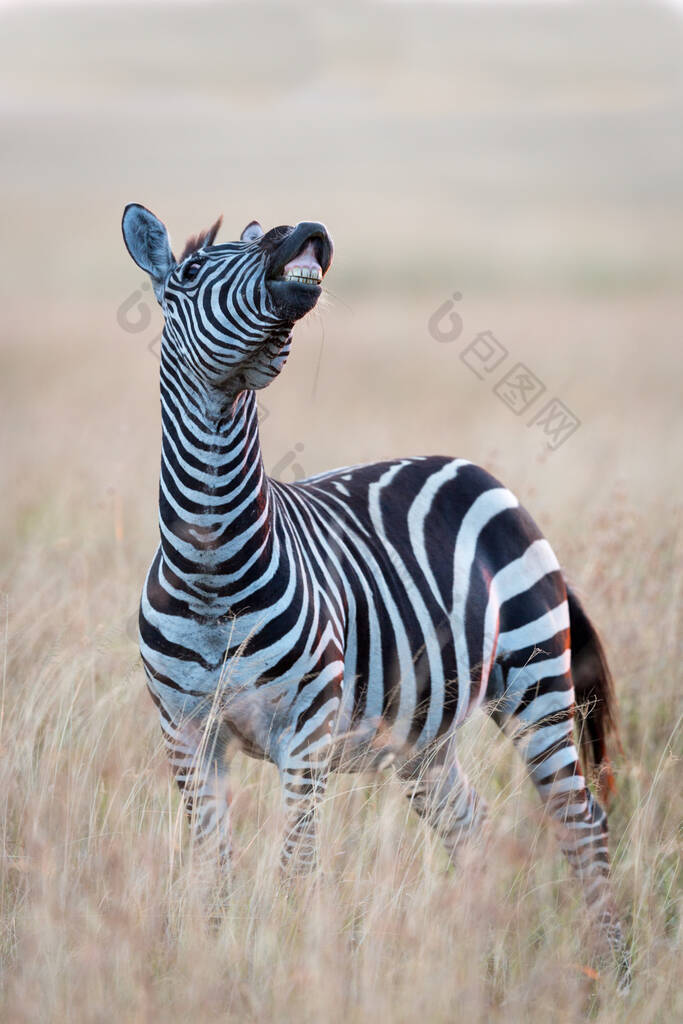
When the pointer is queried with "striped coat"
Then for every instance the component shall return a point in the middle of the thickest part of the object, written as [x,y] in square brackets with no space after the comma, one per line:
[354,619]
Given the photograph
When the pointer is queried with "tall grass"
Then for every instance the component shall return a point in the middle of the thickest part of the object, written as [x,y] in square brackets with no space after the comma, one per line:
[100,917]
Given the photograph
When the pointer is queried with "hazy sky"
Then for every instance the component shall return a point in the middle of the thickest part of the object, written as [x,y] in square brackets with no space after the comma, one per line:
[13,3]
[36,3]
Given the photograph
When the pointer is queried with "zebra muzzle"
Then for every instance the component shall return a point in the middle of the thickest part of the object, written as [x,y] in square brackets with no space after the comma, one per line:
[297,268]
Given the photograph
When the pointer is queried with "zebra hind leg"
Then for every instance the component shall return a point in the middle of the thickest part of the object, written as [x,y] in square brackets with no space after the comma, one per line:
[541,726]
[440,792]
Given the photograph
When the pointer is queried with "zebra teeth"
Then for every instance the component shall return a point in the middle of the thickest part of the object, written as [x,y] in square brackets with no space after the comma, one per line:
[303,275]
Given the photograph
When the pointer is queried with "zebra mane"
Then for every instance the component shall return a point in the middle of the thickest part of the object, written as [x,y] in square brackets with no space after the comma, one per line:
[196,242]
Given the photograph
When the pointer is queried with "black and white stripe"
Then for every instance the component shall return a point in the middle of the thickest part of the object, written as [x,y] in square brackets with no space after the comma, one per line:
[351,619]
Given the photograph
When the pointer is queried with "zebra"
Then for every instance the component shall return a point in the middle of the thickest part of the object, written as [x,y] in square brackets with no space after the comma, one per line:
[352,619]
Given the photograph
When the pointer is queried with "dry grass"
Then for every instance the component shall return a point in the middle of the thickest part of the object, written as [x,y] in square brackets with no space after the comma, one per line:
[98,914]
[543,183]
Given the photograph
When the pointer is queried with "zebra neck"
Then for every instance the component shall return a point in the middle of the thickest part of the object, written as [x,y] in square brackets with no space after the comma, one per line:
[215,500]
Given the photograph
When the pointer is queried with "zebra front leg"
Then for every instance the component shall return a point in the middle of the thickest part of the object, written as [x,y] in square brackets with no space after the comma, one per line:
[441,793]
[303,789]
[197,753]
[304,769]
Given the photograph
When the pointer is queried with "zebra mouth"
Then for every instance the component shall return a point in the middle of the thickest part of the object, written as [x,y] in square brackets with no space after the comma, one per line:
[304,268]
[297,267]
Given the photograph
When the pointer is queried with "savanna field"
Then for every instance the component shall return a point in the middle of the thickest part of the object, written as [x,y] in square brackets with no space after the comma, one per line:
[509,155]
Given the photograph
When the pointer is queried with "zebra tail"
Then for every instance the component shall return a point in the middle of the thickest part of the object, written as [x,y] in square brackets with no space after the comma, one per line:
[595,698]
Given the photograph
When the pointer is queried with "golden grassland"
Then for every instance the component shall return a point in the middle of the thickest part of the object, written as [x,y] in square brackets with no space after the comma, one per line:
[445,152]
[98,916]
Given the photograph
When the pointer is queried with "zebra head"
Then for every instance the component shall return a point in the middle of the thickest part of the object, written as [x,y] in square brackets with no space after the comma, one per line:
[229,309]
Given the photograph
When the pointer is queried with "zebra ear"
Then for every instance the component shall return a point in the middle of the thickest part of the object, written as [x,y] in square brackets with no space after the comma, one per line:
[147,241]
[252,232]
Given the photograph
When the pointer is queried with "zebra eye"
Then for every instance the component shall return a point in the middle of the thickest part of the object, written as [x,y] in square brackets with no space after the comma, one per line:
[191,270]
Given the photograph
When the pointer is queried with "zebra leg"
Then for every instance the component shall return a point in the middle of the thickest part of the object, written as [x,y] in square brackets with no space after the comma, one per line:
[303,789]
[441,793]
[196,751]
[304,769]
[538,713]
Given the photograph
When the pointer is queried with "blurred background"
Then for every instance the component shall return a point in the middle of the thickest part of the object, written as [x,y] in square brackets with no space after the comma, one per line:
[526,158]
